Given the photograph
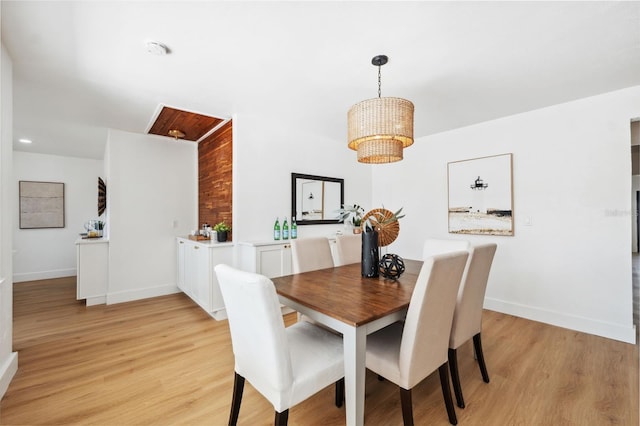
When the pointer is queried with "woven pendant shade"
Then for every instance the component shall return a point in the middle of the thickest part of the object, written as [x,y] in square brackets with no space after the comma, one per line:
[378,151]
[380,128]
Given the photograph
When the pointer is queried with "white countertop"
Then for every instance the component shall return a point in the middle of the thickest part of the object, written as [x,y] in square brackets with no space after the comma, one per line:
[99,240]
[207,243]
[264,243]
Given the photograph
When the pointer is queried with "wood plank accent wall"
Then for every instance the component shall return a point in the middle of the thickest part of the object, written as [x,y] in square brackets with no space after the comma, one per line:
[215,181]
[194,126]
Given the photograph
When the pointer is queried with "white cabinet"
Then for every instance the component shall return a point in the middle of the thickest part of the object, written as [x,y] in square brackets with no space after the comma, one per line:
[92,257]
[271,259]
[196,274]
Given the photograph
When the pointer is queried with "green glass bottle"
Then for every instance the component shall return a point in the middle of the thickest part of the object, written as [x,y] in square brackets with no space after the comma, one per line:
[294,228]
[285,229]
[276,230]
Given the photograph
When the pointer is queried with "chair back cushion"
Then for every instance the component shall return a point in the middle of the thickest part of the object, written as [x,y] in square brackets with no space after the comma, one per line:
[467,318]
[309,254]
[425,337]
[257,330]
[348,249]
[433,246]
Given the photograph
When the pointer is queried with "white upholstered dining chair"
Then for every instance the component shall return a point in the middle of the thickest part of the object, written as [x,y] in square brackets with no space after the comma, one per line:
[405,353]
[286,365]
[348,249]
[309,254]
[467,318]
[439,246]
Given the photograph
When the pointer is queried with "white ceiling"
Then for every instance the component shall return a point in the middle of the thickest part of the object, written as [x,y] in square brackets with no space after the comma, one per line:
[82,67]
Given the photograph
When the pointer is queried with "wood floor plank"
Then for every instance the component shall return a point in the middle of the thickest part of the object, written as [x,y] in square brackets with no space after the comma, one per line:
[163,361]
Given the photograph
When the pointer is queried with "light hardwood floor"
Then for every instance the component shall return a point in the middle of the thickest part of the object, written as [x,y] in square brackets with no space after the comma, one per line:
[163,361]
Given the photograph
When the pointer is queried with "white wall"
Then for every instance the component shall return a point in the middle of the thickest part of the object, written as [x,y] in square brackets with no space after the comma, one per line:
[8,358]
[151,199]
[51,253]
[266,152]
[571,177]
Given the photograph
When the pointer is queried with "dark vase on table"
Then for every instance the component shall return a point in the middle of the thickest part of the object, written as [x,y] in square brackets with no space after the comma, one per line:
[222,236]
[370,255]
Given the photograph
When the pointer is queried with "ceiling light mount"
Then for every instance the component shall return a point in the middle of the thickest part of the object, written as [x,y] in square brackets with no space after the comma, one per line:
[157,48]
[177,134]
[380,128]
[380,60]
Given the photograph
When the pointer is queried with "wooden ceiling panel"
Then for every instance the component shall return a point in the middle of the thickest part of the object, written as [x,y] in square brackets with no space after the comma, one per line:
[193,125]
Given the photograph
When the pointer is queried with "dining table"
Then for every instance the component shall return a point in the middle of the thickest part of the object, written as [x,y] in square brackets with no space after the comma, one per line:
[342,299]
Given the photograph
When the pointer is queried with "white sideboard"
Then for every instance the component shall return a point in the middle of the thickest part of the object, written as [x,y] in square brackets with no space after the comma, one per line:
[92,258]
[196,274]
[271,258]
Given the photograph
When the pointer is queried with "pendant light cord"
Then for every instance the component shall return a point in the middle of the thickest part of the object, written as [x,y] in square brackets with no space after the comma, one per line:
[379,81]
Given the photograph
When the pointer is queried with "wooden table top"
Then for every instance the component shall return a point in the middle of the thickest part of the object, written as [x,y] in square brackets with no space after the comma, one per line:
[342,292]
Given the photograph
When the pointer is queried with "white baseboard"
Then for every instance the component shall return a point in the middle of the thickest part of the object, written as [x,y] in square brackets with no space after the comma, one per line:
[96,300]
[8,370]
[561,319]
[144,293]
[43,275]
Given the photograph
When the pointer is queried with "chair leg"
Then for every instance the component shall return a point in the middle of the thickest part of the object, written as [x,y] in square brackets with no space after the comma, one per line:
[407,407]
[340,392]
[282,418]
[446,392]
[238,387]
[455,377]
[477,345]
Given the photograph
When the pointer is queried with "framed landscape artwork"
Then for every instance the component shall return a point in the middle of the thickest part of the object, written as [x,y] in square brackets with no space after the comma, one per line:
[481,196]
[41,205]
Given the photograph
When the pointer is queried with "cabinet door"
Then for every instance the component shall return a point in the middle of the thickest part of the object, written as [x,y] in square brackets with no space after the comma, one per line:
[190,266]
[287,268]
[274,260]
[218,255]
[201,287]
[181,247]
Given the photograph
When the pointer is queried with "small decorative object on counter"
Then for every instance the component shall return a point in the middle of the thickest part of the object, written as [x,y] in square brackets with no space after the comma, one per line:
[391,266]
[370,256]
[222,231]
[100,228]
[276,230]
[294,228]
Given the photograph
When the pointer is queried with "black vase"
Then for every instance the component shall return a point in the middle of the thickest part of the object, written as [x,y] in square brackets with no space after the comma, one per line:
[222,236]
[370,256]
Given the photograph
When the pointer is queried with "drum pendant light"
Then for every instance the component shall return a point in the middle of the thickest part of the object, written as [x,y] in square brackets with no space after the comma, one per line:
[380,128]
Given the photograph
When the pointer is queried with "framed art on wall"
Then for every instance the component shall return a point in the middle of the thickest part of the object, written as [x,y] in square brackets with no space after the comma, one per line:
[481,195]
[41,204]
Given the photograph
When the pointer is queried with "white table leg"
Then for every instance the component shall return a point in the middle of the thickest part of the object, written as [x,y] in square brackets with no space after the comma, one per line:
[355,346]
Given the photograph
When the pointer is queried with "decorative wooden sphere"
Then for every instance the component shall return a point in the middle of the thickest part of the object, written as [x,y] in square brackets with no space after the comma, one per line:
[391,266]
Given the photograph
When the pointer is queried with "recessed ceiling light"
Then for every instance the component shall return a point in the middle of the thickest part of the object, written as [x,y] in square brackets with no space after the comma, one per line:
[157,48]
[23,140]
